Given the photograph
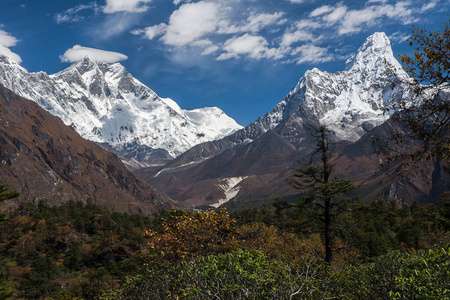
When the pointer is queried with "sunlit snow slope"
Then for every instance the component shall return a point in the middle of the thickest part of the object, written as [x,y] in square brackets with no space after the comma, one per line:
[106,104]
[349,102]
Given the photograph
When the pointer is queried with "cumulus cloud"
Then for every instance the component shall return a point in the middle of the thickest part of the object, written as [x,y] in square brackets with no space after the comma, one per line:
[351,21]
[198,24]
[253,46]
[191,22]
[289,38]
[7,41]
[231,29]
[77,53]
[312,54]
[131,6]
[355,19]
[299,32]
[335,15]
[210,50]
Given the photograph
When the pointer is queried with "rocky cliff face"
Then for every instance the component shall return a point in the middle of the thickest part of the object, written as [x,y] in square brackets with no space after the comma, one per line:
[106,104]
[45,159]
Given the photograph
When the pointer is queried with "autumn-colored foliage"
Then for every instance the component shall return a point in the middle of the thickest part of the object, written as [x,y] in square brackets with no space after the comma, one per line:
[187,235]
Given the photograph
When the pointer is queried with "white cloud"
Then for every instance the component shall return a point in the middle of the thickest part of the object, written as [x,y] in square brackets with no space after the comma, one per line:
[321,10]
[176,2]
[192,21]
[71,15]
[289,38]
[77,53]
[254,23]
[354,19]
[335,15]
[312,54]
[152,31]
[131,6]
[351,21]
[7,41]
[307,23]
[253,46]
[296,1]
[204,24]
[429,6]
[114,25]
[399,37]
[210,50]
[299,33]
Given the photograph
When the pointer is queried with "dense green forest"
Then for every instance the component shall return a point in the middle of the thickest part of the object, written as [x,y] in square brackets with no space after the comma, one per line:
[82,251]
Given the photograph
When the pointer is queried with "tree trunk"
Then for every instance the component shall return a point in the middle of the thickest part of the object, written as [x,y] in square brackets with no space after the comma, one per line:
[327,204]
[328,253]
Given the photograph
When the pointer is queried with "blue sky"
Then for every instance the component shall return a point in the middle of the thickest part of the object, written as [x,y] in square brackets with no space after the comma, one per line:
[243,56]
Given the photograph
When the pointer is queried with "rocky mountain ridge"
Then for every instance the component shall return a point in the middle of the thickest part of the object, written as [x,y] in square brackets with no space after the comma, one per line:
[106,104]
[349,102]
[265,153]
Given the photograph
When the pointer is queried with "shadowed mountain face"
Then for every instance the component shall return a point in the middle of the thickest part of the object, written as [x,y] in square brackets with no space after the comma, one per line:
[254,163]
[258,172]
[45,159]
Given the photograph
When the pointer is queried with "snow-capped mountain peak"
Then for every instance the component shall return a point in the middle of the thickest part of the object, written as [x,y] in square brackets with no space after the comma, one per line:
[106,104]
[349,102]
[375,55]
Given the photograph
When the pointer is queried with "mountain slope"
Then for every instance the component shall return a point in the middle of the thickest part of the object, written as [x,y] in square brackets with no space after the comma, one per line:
[106,104]
[349,102]
[45,159]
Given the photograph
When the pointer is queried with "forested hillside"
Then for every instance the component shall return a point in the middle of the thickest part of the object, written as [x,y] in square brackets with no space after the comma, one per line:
[83,251]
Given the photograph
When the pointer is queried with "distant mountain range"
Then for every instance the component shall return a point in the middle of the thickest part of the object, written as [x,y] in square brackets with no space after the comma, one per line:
[201,158]
[47,160]
[106,104]
[255,162]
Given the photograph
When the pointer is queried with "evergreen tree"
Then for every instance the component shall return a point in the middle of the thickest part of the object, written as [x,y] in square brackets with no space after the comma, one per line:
[426,115]
[322,192]
[6,193]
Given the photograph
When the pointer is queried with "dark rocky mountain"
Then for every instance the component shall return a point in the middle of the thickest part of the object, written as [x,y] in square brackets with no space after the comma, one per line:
[402,181]
[258,172]
[349,102]
[45,159]
[254,163]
